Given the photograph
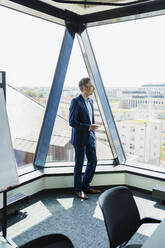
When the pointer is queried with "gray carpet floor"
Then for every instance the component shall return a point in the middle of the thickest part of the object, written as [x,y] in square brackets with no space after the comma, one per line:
[82,221]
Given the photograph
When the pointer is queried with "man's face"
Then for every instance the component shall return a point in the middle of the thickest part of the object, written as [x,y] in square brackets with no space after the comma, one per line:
[89,89]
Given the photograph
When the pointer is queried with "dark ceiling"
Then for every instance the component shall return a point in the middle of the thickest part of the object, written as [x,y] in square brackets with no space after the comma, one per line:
[90,12]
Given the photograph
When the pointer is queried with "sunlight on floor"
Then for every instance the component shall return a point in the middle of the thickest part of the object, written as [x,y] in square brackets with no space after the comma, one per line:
[66,202]
[31,219]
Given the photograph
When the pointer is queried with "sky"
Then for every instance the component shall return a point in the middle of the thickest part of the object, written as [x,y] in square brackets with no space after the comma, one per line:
[128,54]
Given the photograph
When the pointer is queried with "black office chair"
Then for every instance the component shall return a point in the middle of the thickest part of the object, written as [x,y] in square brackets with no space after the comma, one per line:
[121,216]
[49,241]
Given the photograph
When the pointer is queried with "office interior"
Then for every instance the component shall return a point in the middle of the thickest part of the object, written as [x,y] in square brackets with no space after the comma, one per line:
[127,71]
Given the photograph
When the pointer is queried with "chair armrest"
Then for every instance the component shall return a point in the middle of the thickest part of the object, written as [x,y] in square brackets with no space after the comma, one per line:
[149,220]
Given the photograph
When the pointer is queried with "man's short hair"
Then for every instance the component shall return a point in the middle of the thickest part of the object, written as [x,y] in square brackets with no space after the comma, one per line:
[84,83]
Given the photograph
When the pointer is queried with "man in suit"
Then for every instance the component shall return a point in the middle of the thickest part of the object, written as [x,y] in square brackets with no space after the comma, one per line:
[81,119]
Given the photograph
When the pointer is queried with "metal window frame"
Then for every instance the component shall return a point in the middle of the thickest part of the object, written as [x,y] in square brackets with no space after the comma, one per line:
[101,98]
[53,100]
[56,91]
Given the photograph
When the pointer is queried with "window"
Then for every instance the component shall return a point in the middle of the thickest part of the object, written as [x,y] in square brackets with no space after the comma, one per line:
[60,140]
[132,146]
[29,61]
[128,65]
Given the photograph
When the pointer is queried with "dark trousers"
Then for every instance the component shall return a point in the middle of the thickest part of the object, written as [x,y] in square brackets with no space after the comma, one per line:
[80,151]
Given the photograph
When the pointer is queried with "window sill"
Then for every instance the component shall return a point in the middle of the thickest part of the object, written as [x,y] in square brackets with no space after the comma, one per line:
[27,175]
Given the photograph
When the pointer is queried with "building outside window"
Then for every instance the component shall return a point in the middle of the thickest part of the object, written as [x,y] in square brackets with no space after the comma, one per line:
[127,70]
[134,84]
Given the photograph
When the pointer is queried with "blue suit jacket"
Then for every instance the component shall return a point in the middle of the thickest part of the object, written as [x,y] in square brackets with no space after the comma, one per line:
[79,121]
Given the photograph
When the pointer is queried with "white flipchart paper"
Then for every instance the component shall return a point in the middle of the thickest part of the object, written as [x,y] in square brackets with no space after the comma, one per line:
[8,166]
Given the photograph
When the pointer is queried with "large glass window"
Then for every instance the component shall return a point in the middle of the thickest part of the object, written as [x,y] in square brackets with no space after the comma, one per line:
[29,49]
[60,148]
[131,60]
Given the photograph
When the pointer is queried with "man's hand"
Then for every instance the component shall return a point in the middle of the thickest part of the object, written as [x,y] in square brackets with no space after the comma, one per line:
[93,127]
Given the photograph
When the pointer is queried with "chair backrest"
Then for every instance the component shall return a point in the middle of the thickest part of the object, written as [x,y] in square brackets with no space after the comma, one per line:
[120,213]
[49,241]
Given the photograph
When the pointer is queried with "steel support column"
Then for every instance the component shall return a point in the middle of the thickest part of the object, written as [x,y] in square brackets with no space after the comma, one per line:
[102,100]
[54,99]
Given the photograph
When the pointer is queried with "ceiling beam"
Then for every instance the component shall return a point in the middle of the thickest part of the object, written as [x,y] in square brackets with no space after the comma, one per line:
[124,11]
[96,18]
